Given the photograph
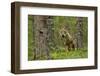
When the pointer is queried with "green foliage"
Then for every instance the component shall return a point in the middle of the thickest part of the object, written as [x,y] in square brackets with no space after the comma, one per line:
[30,38]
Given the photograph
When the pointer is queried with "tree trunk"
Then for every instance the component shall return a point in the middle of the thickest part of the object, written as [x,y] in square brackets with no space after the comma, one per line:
[42,37]
[79,32]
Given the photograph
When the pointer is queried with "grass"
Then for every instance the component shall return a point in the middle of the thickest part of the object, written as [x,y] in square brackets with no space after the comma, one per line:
[73,54]
[62,54]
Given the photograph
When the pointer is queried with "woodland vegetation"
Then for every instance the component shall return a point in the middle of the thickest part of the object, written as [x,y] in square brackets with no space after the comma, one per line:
[57,37]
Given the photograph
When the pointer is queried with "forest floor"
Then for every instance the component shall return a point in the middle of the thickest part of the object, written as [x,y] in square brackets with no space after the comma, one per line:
[62,54]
